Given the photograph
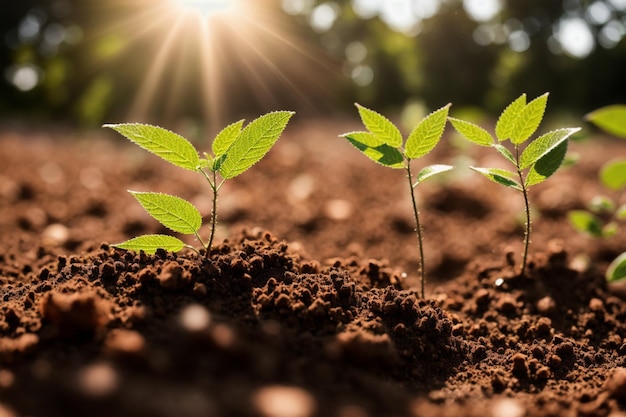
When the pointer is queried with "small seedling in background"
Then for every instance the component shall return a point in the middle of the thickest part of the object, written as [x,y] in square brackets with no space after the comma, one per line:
[383,143]
[611,119]
[235,149]
[604,213]
[533,163]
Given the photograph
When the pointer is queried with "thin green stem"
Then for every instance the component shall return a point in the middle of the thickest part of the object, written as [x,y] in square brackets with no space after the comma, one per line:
[199,238]
[193,249]
[418,228]
[215,188]
[527,207]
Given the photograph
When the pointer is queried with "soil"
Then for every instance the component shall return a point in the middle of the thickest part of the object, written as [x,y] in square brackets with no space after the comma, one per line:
[309,303]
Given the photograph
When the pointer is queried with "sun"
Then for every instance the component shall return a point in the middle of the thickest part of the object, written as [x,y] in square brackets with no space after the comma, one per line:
[204,8]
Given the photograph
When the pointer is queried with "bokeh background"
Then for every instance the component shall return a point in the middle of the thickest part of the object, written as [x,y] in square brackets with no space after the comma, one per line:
[85,62]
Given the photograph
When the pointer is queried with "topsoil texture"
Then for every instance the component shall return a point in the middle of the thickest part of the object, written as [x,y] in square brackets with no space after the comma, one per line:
[308,304]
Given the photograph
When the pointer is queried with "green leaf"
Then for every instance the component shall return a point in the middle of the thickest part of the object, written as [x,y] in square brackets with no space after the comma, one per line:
[508,118]
[380,126]
[226,137]
[382,154]
[168,145]
[529,119]
[430,171]
[366,138]
[171,211]
[217,163]
[501,176]
[543,145]
[472,132]
[617,269]
[150,243]
[620,213]
[585,222]
[611,119]
[613,174]
[254,141]
[427,133]
[506,153]
[547,165]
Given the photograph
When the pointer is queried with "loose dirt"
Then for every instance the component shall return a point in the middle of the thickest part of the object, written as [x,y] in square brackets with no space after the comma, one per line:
[309,304]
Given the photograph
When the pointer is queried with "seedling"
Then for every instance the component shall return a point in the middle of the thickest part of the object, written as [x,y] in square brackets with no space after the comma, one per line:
[383,143]
[604,213]
[533,162]
[611,119]
[234,150]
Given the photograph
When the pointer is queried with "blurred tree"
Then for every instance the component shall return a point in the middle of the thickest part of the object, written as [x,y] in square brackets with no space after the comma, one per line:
[480,52]
[92,60]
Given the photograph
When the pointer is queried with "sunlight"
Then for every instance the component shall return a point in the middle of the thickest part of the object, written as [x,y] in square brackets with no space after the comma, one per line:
[214,59]
[205,7]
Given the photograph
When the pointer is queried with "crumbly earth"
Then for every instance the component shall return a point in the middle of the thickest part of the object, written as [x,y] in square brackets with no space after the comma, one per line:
[309,303]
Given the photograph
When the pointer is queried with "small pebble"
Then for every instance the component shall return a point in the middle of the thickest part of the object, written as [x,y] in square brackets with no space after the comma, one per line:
[98,380]
[195,318]
[125,342]
[282,401]
[300,188]
[507,407]
[596,305]
[546,305]
[55,235]
[338,209]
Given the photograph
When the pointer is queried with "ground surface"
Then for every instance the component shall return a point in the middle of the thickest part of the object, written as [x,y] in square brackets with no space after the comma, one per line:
[308,305]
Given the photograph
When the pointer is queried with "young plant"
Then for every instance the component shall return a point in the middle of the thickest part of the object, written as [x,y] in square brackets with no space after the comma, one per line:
[383,143]
[234,150]
[604,212]
[533,162]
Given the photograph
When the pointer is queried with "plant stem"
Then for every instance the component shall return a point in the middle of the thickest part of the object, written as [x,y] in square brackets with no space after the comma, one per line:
[214,187]
[418,227]
[527,207]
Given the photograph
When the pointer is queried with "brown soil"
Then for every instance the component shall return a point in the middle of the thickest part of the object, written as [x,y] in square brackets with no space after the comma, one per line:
[309,305]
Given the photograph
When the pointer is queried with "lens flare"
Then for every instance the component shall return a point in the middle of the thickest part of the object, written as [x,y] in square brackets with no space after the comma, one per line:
[216,61]
[205,7]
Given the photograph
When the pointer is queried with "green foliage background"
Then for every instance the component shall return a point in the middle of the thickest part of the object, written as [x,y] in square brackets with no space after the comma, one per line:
[95,71]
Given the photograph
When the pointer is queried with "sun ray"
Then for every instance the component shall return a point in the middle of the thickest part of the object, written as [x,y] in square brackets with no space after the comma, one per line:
[304,62]
[221,66]
[211,87]
[148,88]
